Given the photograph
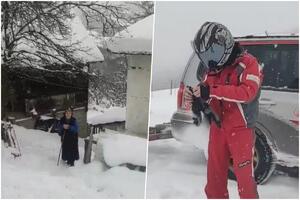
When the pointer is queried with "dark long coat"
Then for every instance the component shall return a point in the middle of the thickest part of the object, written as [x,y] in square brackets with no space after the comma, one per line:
[69,138]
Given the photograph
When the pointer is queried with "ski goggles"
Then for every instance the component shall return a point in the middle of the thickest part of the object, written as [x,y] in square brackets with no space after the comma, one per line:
[211,58]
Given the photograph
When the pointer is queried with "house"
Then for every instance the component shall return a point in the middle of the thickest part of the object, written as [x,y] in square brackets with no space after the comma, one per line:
[55,86]
[136,44]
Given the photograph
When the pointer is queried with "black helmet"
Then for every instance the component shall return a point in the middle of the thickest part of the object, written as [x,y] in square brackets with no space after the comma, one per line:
[213,44]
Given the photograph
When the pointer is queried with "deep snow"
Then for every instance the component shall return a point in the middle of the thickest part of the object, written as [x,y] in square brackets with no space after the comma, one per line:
[177,170]
[36,175]
[121,149]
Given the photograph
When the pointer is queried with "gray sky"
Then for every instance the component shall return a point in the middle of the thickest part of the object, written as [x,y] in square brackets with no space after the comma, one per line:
[177,22]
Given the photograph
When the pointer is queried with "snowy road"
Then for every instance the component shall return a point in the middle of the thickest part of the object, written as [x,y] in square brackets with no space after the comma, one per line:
[35,174]
[177,170]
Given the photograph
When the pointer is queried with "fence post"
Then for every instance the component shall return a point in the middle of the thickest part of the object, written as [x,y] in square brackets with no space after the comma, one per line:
[171,87]
[88,143]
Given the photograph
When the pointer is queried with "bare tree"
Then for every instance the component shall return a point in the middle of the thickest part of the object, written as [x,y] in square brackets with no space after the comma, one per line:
[36,35]
[44,26]
[107,85]
[144,9]
[129,13]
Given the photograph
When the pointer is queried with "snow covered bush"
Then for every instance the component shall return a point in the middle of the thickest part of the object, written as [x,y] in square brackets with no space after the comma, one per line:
[107,85]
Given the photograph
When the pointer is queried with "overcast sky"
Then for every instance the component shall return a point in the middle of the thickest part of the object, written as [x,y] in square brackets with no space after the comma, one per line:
[177,22]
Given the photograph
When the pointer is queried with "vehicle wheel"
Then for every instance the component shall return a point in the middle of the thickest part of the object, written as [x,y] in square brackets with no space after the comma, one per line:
[263,160]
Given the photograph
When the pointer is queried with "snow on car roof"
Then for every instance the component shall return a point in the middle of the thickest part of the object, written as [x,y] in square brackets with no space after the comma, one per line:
[270,36]
[136,39]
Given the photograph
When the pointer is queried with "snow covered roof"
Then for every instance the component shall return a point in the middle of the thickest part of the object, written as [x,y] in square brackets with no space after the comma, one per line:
[80,38]
[136,39]
[80,34]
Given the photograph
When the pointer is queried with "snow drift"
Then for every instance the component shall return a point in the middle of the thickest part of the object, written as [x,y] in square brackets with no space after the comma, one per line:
[121,149]
[36,175]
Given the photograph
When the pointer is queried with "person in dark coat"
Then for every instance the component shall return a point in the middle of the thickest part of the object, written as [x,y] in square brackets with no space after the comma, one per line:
[69,137]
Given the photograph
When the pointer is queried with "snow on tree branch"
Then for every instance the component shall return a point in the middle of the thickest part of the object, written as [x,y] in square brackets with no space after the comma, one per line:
[38,33]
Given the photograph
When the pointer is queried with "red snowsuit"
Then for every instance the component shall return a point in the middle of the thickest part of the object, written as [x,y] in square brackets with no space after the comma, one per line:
[234,94]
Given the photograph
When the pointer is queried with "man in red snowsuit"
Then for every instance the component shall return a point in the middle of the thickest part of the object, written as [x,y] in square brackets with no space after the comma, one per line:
[232,89]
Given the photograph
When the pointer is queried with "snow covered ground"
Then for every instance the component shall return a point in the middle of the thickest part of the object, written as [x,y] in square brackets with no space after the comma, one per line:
[130,149]
[177,170]
[98,115]
[36,175]
[163,105]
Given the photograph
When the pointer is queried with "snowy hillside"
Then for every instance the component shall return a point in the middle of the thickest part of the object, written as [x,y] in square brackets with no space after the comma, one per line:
[36,175]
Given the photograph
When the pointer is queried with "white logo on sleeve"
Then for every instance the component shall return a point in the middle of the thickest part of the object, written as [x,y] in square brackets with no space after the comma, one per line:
[254,78]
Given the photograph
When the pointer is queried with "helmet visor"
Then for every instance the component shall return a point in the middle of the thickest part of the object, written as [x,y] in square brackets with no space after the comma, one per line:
[212,56]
